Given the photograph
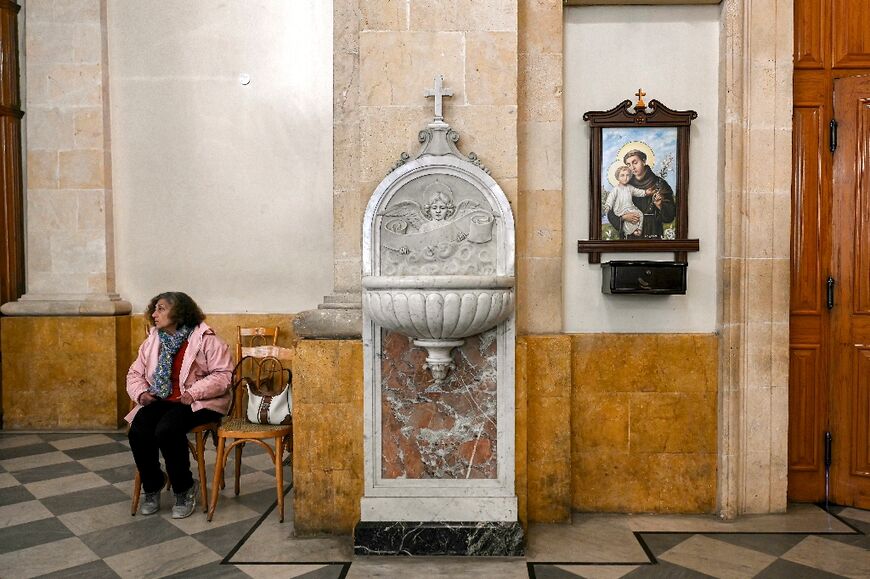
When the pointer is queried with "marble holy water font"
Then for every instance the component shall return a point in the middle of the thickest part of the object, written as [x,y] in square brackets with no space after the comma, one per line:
[439,339]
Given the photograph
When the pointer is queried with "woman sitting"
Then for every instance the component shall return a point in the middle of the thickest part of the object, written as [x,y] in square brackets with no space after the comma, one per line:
[180,380]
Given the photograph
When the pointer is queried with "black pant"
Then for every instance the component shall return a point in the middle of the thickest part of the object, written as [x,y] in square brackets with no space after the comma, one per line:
[163,426]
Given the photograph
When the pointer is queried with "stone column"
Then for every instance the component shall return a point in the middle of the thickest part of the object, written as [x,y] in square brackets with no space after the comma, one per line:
[376,103]
[756,96]
[340,316]
[539,143]
[70,238]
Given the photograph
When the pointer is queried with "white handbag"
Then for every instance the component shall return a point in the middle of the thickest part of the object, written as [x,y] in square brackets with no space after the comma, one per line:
[265,408]
[268,409]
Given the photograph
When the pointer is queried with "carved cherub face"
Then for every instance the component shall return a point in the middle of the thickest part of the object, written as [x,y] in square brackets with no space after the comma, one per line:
[440,207]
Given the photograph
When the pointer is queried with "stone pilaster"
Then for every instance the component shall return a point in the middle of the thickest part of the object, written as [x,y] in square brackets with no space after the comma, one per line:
[340,315]
[70,267]
[538,204]
[383,61]
[756,96]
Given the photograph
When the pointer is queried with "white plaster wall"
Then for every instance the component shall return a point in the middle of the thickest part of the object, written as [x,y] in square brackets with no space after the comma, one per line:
[222,190]
[672,52]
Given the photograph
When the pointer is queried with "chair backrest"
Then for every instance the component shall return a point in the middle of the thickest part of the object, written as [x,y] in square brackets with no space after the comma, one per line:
[261,363]
[254,337]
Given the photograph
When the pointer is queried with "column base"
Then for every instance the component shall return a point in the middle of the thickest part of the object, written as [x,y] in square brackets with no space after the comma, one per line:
[338,317]
[471,539]
[67,305]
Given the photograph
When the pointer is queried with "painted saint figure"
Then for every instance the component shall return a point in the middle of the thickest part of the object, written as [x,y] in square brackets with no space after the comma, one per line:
[657,209]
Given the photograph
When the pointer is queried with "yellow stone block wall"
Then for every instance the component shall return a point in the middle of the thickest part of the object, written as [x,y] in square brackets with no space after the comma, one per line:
[521,480]
[225,326]
[547,374]
[644,422]
[328,436]
[64,372]
[70,372]
[604,422]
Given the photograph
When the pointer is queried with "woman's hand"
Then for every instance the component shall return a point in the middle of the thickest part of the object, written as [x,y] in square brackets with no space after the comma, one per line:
[146,398]
[186,398]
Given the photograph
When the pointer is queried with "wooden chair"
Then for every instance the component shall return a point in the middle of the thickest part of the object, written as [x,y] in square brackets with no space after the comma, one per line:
[254,364]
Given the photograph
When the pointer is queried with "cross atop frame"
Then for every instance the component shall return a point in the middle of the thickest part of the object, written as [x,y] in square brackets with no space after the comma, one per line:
[439,92]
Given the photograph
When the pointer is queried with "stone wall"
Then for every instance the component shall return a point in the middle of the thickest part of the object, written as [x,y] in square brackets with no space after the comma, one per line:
[70,235]
[596,429]
[64,372]
[539,208]
[328,436]
[644,422]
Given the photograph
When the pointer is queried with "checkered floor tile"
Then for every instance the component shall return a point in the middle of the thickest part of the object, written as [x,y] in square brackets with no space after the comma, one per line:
[65,512]
[739,555]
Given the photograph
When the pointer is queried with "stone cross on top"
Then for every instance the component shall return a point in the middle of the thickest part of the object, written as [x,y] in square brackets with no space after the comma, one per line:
[439,92]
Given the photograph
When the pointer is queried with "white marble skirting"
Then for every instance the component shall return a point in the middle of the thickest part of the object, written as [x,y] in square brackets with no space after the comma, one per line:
[441,509]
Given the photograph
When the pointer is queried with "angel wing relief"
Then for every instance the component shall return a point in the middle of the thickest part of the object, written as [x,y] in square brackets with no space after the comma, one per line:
[437,236]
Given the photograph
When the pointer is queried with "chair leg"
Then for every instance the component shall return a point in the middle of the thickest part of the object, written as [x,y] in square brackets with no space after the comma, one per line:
[200,461]
[279,475]
[238,466]
[219,463]
[137,492]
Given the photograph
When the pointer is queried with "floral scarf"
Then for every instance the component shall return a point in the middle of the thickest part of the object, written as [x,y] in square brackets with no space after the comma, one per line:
[169,345]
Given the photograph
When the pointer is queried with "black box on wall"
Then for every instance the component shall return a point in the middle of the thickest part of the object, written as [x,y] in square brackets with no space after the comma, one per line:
[644,277]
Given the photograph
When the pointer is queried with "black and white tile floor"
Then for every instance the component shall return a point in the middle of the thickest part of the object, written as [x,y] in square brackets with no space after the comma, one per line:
[65,512]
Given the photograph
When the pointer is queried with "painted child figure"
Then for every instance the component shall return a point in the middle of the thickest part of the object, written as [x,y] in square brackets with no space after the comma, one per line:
[619,200]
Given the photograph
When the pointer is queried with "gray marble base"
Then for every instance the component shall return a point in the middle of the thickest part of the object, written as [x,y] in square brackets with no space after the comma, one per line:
[486,539]
[338,317]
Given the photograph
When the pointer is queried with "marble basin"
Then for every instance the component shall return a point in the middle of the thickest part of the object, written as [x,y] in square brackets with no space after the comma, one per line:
[438,311]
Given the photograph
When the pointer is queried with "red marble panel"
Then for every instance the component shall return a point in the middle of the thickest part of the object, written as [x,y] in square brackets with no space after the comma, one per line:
[438,432]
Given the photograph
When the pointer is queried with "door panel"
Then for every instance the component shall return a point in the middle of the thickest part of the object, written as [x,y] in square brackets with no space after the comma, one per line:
[860,466]
[810,32]
[850,387]
[805,250]
[810,246]
[805,428]
[850,33]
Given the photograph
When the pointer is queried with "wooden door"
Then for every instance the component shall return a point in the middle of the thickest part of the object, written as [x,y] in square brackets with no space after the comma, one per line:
[829,370]
[810,267]
[11,198]
[849,416]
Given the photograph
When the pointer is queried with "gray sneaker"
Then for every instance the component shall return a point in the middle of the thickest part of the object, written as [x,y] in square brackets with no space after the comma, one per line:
[185,503]
[150,504]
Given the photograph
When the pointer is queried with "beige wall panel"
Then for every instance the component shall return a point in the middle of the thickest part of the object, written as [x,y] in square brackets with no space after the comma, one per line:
[236,175]
[680,68]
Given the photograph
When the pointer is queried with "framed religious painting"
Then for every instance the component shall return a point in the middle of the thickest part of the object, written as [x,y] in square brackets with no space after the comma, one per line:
[639,180]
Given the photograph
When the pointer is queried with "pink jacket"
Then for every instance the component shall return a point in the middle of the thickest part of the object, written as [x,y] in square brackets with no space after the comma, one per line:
[206,370]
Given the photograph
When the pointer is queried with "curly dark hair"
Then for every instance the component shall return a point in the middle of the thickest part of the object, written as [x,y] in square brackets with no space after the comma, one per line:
[184,310]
